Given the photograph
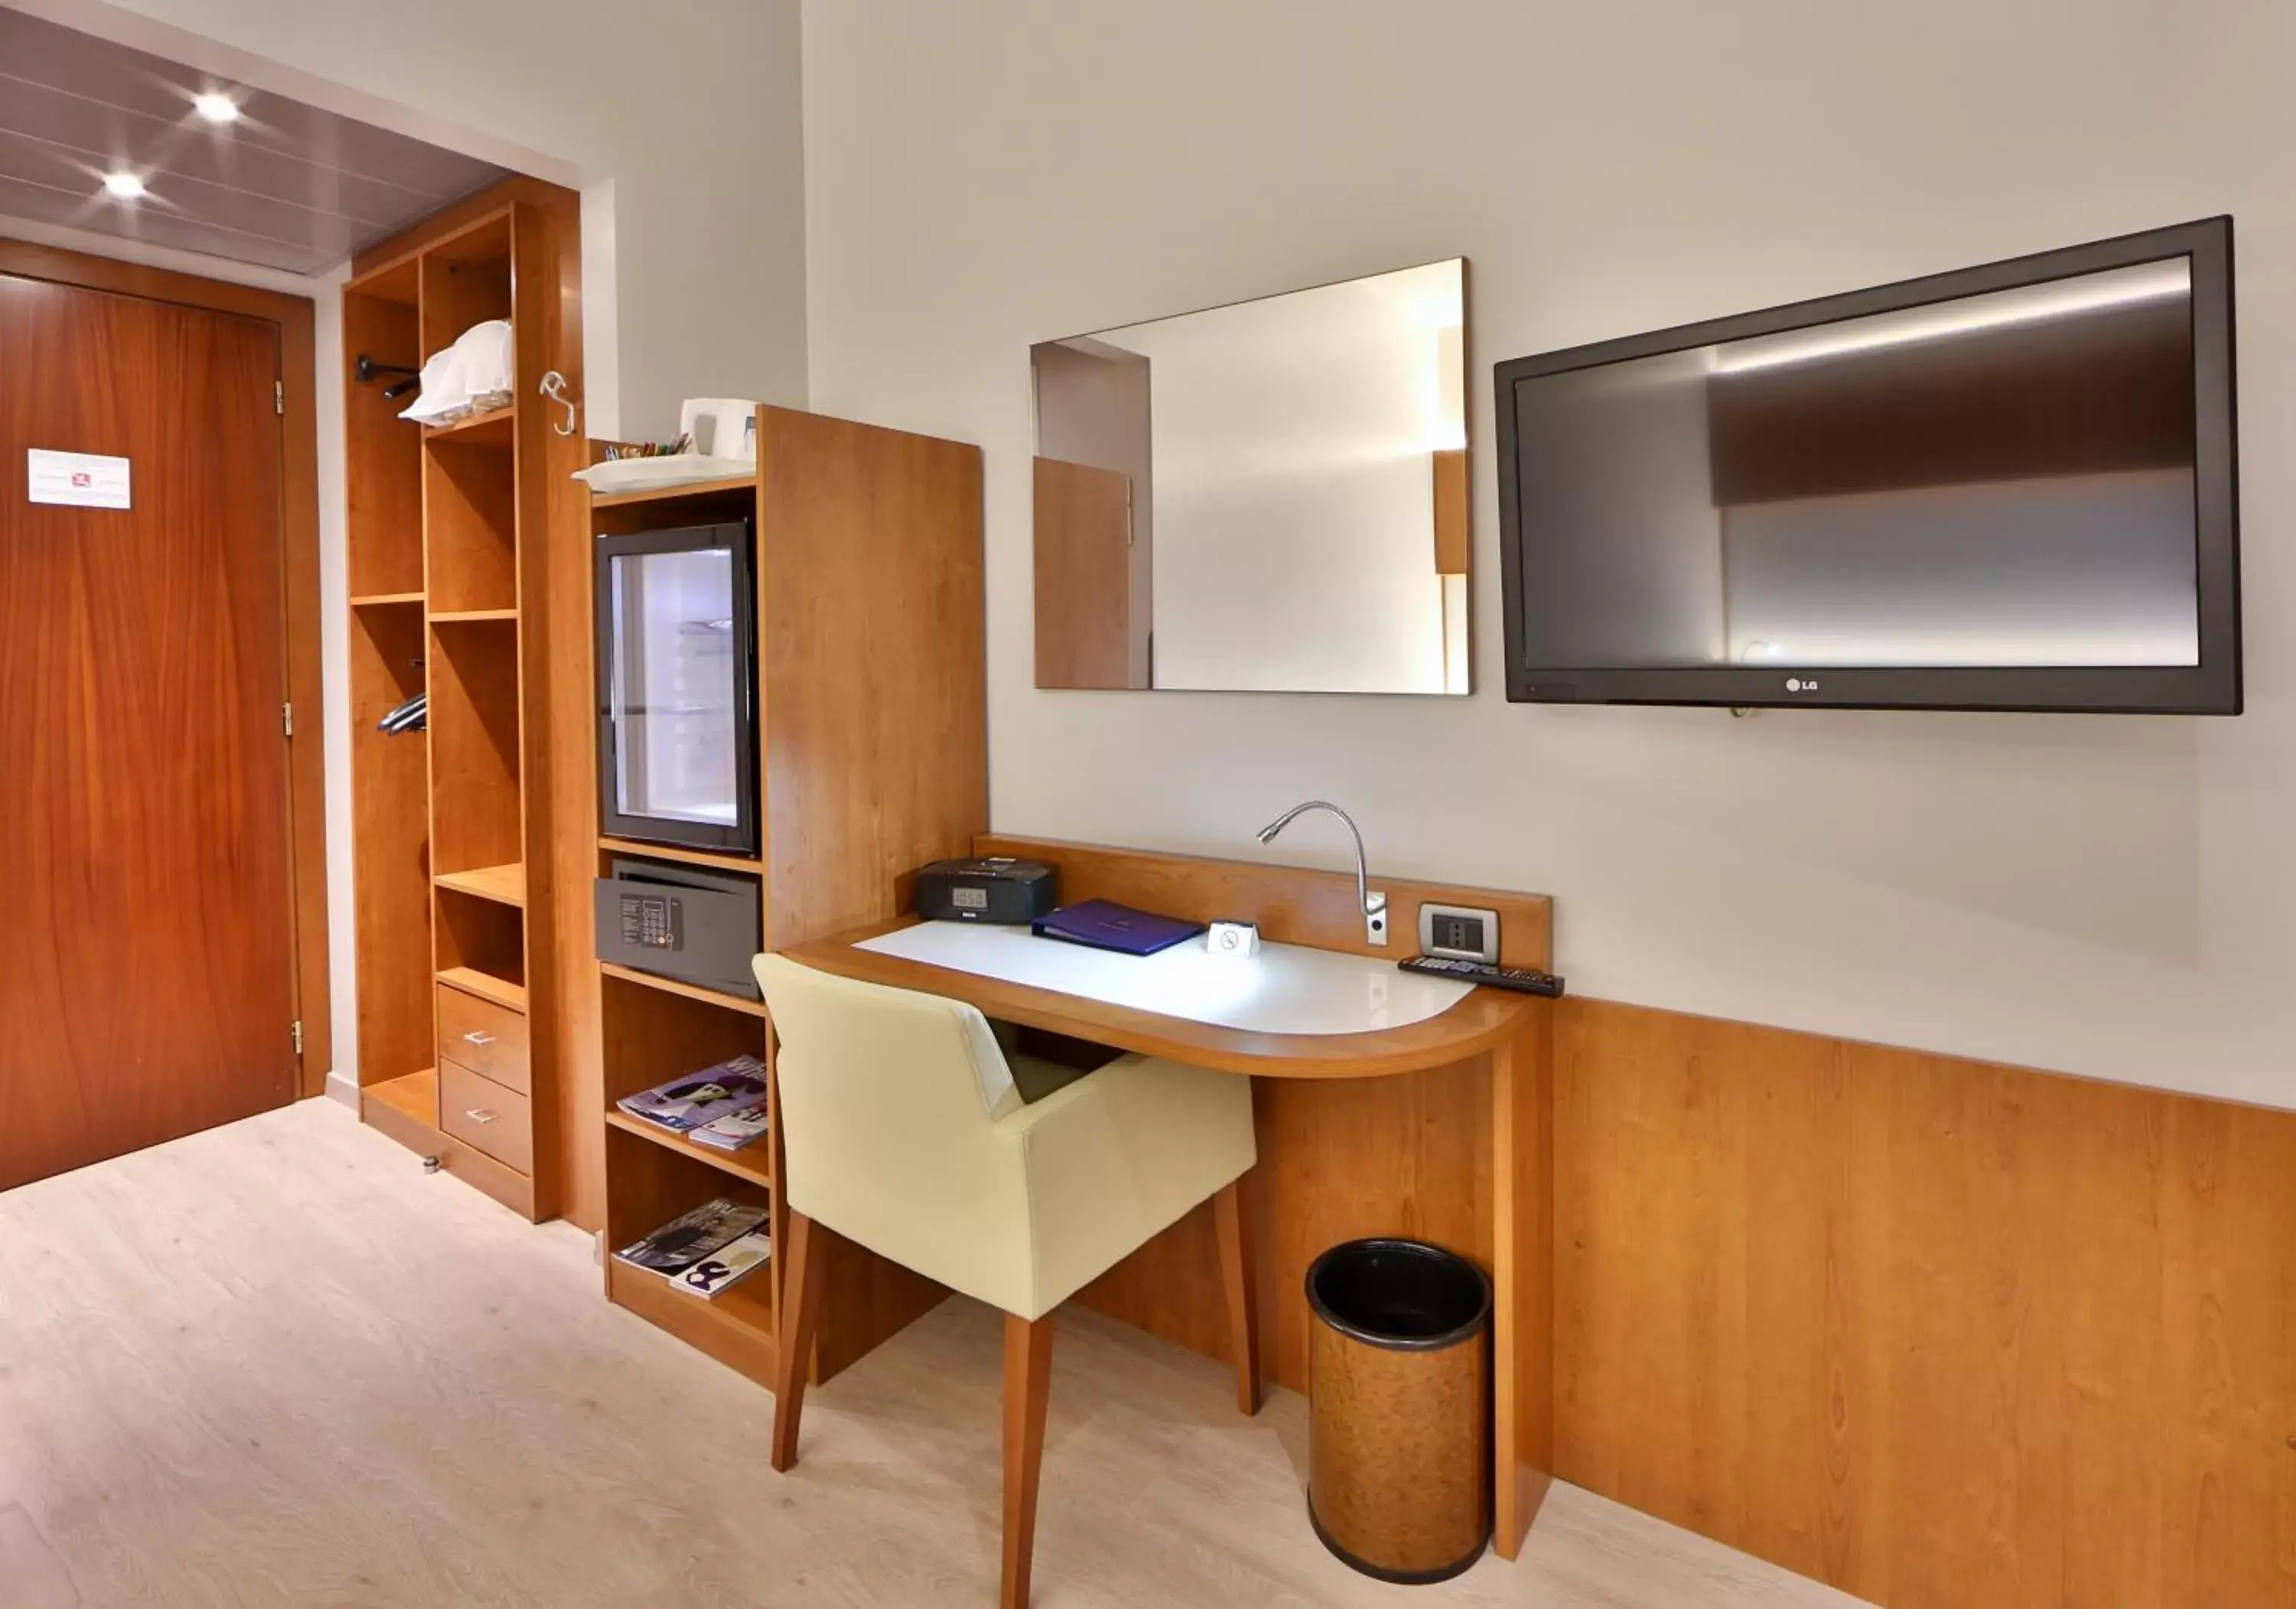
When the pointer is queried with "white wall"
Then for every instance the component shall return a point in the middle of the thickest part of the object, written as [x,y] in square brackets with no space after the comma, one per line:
[2115,896]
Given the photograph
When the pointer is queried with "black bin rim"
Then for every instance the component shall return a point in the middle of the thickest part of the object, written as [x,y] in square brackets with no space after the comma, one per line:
[1417,1251]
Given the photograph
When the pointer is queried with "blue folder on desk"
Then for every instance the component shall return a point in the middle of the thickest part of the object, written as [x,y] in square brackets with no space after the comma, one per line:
[1104,924]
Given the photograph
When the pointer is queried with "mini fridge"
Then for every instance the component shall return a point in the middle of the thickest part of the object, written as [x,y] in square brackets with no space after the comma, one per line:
[677,687]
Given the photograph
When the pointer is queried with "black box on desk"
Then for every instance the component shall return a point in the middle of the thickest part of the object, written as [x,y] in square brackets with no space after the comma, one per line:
[991,888]
[689,923]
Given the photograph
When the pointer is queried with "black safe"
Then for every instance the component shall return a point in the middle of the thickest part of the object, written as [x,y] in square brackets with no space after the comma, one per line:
[690,922]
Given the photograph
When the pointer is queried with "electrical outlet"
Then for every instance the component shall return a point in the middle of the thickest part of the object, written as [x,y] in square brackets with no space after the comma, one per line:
[1375,918]
[1459,933]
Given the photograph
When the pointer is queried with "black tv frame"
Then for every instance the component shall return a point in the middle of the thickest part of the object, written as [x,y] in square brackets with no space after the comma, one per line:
[2211,687]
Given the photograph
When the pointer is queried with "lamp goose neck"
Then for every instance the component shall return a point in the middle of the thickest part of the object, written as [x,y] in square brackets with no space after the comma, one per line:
[1363,866]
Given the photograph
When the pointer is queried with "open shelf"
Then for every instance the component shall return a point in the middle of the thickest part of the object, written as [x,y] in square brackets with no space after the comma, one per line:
[383,462]
[653,1176]
[481,934]
[485,986]
[398,284]
[390,838]
[748,1164]
[503,884]
[489,428]
[671,986]
[475,812]
[470,503]
[747,864]
[415,1095]
[450,599]
[737,1329]
[465,281]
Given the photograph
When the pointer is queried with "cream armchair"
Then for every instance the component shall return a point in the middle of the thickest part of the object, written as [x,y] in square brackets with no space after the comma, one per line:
[904,1130]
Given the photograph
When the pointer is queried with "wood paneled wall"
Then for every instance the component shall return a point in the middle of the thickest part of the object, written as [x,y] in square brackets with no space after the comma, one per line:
[1944,1333]
[1948,1334]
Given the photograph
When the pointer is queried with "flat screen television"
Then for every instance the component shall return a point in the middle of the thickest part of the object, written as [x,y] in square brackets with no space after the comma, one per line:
[2010,488]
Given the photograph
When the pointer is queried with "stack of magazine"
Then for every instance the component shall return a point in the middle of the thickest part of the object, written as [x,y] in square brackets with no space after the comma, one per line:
[722,1107]
[708,1251]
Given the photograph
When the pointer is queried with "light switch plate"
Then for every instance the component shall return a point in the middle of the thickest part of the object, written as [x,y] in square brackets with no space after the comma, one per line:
[1459,933]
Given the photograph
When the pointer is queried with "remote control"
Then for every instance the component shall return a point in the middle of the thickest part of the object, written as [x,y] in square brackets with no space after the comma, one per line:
[1522,979]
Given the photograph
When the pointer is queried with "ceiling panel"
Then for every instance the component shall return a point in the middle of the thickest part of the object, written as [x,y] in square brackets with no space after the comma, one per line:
[286,186]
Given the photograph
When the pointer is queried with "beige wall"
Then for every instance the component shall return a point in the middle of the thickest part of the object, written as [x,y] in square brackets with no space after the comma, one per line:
[2106,895]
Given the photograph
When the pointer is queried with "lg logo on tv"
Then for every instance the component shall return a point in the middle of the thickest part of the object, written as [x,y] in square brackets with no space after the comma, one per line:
[1801,684]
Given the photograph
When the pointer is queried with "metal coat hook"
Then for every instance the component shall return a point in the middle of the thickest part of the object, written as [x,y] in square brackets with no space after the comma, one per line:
[553,386]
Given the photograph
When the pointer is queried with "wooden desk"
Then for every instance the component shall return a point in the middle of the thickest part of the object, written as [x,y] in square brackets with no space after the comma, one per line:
[1440,1128]
[1478,1021]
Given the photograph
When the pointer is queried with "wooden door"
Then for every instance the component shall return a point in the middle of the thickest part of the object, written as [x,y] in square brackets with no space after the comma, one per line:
[1089,614]
[146,974]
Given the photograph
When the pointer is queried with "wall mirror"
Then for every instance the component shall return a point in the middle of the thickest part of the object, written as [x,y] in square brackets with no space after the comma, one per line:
[1268,496]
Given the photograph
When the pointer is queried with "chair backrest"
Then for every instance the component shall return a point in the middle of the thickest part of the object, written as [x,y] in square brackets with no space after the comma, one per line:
[889,1102]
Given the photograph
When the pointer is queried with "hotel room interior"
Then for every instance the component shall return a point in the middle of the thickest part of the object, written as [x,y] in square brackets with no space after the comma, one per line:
[906,801]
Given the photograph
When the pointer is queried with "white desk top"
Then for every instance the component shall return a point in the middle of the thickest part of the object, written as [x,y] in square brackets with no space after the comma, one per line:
[1284,988]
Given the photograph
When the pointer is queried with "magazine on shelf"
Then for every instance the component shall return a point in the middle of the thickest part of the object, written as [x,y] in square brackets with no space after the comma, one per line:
[722,1270]
[692,1100]
[704,1232]
[733,1130]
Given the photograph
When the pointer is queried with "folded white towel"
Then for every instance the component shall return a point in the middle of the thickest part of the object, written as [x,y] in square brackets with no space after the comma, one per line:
[474,373]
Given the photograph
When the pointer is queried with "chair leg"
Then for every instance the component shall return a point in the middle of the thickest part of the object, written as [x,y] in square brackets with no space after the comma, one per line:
[1234,1230]
[1027,1382]
[801,1287]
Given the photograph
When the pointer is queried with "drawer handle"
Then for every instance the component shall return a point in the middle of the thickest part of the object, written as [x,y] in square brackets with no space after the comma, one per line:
[479,1114]
[476,1038]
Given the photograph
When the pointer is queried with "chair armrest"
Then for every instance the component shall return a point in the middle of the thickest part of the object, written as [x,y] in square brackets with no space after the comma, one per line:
[1118,1156]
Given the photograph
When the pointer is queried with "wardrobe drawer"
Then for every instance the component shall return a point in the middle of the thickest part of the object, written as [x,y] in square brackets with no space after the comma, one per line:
[478,1112]
[484,1037]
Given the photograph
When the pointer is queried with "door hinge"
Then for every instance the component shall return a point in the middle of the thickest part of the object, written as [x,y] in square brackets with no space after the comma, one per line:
[279,396]
[287,720]
[1128,514]
[295,1032]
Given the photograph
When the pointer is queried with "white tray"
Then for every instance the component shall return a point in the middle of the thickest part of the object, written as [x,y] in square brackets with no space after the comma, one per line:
[651,474]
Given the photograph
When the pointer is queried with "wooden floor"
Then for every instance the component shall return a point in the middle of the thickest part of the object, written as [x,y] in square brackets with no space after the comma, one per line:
[275,1364]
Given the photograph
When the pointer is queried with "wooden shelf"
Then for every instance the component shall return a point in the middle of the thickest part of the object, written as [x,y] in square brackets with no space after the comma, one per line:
[470,981]
[737,1329]
[671,986]
[747,1164]
[670,851]
[415,1095]
[448,824]
[489,428]
[503,884]
[399,282]
[663,494]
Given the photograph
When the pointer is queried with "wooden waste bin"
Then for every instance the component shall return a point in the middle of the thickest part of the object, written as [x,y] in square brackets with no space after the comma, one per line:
[1398,1387]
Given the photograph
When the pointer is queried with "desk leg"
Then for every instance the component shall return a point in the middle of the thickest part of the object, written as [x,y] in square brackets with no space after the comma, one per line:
[1522,1259]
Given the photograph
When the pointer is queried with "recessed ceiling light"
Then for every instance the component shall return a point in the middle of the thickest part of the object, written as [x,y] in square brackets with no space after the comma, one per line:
[215,107]
[124,184]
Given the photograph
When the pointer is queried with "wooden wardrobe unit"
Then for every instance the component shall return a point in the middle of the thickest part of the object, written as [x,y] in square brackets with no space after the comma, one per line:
[874,757]
[451,576]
